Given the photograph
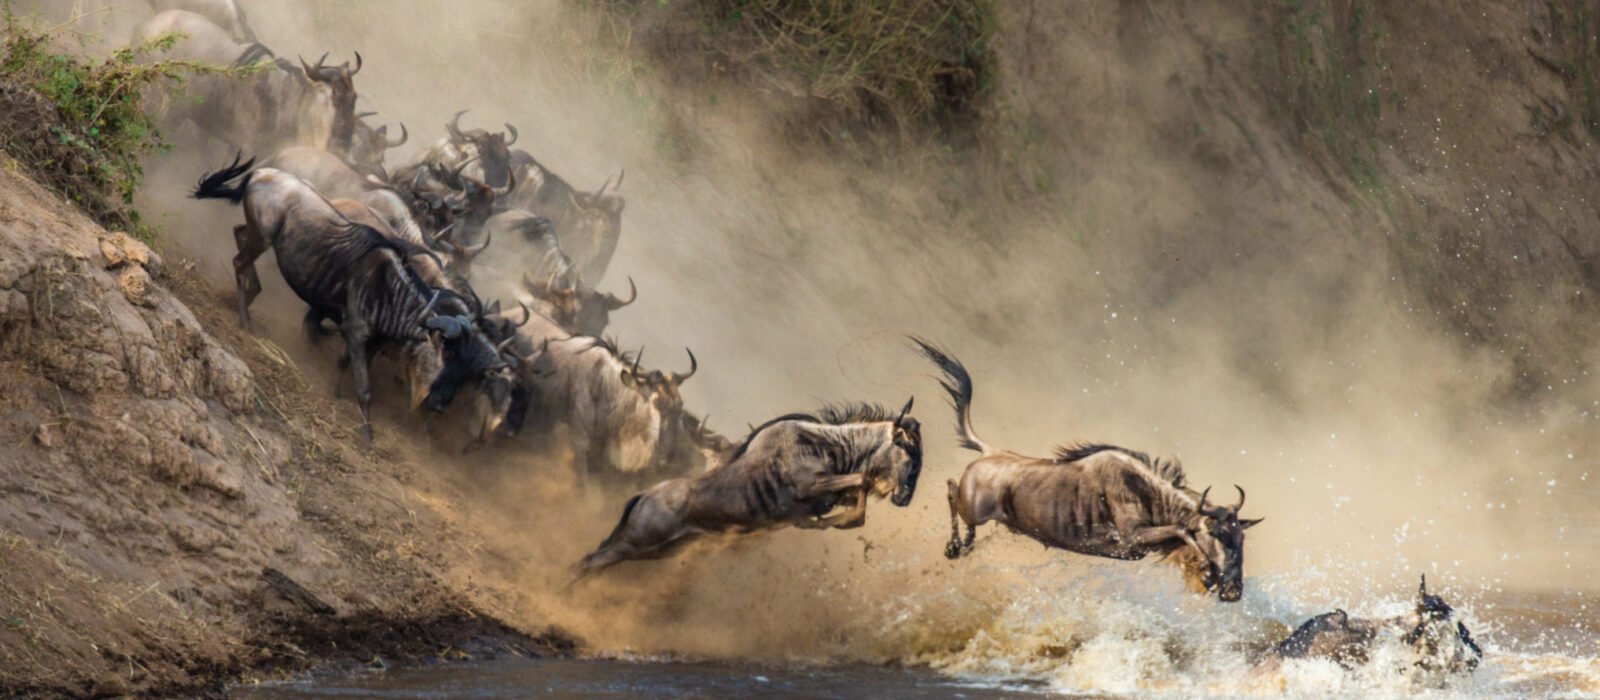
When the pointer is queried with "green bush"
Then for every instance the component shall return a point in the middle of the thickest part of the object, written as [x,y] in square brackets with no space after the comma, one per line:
[78,124]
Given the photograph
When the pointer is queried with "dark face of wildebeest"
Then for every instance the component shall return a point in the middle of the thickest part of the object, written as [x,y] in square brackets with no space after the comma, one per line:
[1221,542]
[472,360]
[907,457]
[494,149]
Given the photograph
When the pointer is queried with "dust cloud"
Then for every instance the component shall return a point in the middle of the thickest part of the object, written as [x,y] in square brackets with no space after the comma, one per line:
[1236,315]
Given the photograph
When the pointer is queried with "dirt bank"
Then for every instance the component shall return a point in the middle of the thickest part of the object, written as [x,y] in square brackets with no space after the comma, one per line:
[178,507]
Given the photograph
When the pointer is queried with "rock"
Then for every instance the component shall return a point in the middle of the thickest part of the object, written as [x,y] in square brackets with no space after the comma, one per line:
[118,249]
[44,436]
[135,283]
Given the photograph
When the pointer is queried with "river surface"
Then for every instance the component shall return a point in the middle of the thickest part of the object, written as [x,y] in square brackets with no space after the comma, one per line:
[1536,646]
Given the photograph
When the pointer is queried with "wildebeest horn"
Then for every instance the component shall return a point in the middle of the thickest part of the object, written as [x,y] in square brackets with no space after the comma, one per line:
[602,190]
[694,366]
[513,131]
[1202,507]
[427,309]
[511,184]
[454,127]
[620,174]
[364,115]
[613,302]
[504,344]
[905,410]
[452,326]
[527,313]
[1423,589]
[439,242]
[404,136]
[457,177]
[357,69]
[493,309]
[470,252]
[1241,498]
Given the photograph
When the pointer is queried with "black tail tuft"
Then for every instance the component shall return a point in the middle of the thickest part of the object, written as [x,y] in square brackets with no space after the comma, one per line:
[958,384]
[215,185]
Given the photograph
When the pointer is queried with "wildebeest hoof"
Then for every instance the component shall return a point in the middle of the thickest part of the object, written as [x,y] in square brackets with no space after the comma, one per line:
[366,433]
[952,550]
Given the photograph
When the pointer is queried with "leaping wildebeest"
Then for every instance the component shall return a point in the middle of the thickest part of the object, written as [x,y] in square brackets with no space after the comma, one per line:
[1092,499]
[795,470]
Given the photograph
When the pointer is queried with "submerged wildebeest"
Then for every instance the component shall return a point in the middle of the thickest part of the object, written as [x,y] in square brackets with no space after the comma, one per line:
[1439,644]
[589,223]
[793,470]
[1093,499]
[550,282]
[356,276]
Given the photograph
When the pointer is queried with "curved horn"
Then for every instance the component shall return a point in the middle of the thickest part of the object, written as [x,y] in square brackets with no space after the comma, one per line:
[513,131]
[527,313]
[438,242]
[323,59]
[310,72]
[602,190]
[694,366]
[613,303]
[620,174]
[454,127]
[636,360]
[511,184]
[1241,498]
[1201,508]
[427,309]
[364,115]
[905,410]
[404,136]
[470,252]
[501,347]
[357,69]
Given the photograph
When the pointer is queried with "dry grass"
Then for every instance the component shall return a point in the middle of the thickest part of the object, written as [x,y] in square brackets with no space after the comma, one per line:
[846,69]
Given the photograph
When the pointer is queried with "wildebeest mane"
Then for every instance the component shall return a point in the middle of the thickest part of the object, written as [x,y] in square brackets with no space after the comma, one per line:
[1169,469]
[833,414]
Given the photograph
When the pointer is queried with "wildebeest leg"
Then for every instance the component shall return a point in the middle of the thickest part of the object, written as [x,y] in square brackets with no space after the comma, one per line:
[251,245]
[1147,536]
[828,485]
[853,517]
[312,326]
[356,334]
[953,549]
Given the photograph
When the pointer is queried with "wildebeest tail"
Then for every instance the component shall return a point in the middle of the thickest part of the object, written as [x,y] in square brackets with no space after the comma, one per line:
[627,511]
[958,384]
[216,185]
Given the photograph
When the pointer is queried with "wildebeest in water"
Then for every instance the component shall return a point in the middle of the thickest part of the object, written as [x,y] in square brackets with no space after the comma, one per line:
[1437,642]
[1093,499]
[806,471]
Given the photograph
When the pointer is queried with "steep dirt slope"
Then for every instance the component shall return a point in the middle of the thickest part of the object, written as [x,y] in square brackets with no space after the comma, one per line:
[176,505]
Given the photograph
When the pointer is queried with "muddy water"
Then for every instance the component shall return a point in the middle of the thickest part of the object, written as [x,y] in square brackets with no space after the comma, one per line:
[1062,644]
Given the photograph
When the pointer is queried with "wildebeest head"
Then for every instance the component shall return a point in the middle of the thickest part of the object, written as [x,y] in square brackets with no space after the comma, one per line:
[368,145]
[471,359]
[340,79]
[594,222]
[905,456]
[493,149]
[1220,540]
[1442,642]
[577,307]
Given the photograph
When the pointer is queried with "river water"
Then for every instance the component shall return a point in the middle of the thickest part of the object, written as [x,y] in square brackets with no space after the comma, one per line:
[1543,645]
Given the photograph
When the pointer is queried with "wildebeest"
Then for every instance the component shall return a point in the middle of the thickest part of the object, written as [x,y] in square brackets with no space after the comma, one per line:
[357,277]
[485,155]
[335,179]
[792,470]
[369,144]
[1439,644]
[1093,499]
[226,14]
[549,281]
[589,224]
[262,112]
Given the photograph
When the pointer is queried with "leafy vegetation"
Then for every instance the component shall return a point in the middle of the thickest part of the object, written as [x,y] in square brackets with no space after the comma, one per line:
[901,67]
[78,124]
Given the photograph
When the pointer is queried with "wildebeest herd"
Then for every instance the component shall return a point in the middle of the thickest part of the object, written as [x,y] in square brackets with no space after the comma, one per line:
[387,257]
